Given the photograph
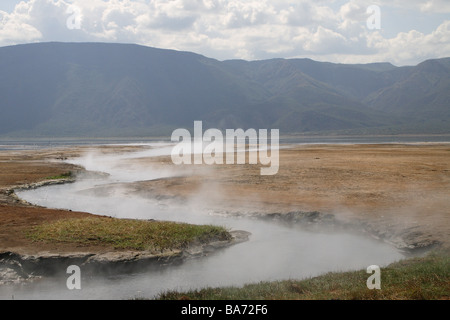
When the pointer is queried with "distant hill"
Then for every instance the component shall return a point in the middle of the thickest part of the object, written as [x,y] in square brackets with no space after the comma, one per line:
[99,89]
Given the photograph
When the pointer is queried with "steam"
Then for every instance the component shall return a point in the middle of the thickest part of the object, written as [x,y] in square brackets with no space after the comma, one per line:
[274,251]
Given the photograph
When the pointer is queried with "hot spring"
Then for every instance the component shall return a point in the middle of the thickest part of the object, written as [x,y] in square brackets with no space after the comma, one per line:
[273,252]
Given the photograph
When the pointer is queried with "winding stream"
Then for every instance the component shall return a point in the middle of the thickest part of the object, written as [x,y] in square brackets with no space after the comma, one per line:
[273,252]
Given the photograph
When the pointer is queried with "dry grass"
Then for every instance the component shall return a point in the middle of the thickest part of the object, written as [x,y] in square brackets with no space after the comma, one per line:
[126,233]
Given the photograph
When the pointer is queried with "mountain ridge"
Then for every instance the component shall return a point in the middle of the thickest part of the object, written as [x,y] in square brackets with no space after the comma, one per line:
[103,89]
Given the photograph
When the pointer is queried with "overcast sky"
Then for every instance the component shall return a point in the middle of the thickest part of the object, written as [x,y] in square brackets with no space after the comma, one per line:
[404,32]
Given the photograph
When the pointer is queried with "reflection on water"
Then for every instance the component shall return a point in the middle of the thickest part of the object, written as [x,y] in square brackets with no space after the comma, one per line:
[274,252]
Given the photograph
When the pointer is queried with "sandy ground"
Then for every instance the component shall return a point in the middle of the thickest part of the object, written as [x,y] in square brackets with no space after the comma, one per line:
[398,190]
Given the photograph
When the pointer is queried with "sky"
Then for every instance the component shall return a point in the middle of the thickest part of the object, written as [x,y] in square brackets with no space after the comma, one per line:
[341,31]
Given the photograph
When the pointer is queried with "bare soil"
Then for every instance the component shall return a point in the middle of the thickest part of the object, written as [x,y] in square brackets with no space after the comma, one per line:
[18,168]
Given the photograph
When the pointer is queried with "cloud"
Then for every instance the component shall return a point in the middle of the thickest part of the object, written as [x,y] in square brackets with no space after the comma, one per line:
[410,47]
[440,6]
[13,31]
[432,6]
[16,27]
[227,29]
[324,40]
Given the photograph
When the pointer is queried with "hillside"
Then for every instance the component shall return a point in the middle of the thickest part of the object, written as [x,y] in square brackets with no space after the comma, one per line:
[99,89]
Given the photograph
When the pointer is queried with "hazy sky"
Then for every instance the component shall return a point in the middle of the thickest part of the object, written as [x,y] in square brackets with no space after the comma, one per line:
[404,32]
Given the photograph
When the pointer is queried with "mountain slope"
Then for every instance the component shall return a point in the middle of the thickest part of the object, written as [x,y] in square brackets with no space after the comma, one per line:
[99,89]
[423,92]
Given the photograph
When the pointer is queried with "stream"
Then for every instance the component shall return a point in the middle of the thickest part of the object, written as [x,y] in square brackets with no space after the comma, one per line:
[274,251]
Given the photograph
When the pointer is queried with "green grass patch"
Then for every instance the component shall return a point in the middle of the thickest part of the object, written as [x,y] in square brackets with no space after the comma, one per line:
[64,175]
[154,236]
[426,278]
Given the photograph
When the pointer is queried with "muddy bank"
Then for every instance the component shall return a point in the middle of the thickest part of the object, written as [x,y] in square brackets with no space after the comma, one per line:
[17,268]
[9,196]
[410,241]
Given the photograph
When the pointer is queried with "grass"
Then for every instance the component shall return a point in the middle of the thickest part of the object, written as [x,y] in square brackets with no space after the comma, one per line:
[126,234]
[64,175]
[426,278]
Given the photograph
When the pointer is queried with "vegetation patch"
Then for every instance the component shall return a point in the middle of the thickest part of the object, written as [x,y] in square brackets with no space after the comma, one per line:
[65,175]
[426,278]
[154,236]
